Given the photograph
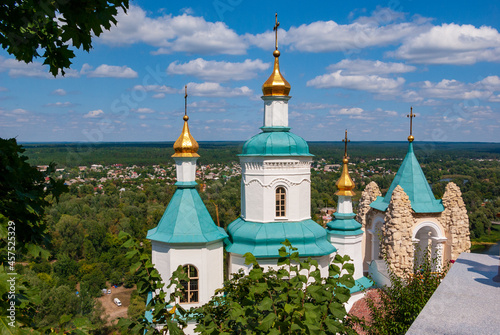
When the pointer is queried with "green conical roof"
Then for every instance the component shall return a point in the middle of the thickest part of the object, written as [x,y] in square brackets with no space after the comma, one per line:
[186,220]
[412,179]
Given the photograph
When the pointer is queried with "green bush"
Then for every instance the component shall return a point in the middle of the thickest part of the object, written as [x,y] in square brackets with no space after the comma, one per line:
[401,303]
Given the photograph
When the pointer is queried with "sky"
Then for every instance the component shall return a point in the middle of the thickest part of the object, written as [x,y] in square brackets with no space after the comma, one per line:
[356,65]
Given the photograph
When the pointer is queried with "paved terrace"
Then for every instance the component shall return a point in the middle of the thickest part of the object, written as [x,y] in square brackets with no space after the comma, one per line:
[466,302]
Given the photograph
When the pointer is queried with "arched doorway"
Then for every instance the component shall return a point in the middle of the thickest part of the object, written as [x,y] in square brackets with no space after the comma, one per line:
[428,240]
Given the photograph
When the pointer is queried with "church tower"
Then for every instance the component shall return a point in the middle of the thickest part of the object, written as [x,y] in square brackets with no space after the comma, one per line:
[276,187]
[345,233]
[186,234]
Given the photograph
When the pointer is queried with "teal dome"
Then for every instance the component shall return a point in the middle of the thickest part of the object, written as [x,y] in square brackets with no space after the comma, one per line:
[276,142]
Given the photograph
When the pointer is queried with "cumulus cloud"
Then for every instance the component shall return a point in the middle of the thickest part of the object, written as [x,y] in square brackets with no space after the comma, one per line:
[209,106]
[59,104]
[370,83]
[451,44]
[352,112]
[109,71]
[183,33]
[144,110]
[59,91]
[218,71]
[379,29]
[360,66]
[160,89]
[210,89]
[94,114]
[16,69]
[454,89]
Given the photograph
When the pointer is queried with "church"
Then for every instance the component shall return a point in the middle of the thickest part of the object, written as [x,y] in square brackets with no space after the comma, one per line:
[276,205]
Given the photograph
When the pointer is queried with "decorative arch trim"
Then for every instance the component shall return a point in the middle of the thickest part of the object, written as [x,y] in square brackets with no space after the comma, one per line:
[429,224]
[276,182]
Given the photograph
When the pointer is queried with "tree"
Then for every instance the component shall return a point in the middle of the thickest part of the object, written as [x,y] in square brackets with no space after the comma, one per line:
[24,194]
[54,26]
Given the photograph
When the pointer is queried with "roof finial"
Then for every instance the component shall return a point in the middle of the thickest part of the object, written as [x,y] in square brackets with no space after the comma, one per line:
[186,145]
[276,25]
[276,84]
[345,183]
[345,140]
[185,103]
[411,116]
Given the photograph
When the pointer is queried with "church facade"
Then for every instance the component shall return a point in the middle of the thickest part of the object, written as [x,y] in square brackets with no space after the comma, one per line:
[276,202]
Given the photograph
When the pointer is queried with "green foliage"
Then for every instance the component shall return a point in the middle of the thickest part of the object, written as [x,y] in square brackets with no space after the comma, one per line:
[53,26]
[161,306]
[24,194]
[401,303]
[294,299]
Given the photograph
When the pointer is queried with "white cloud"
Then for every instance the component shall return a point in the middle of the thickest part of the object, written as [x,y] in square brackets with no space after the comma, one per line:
[452,44]
[370,83]
[59,91]
[144,110]
[208,106]
[110,71]
[159,96]
[183,33]
[17,68]
[353,113]
[360,66]
[218,71]
[59,104]
[454,89]
[326,36]
[157,88]
[94,114]
[3,89]
[209,89]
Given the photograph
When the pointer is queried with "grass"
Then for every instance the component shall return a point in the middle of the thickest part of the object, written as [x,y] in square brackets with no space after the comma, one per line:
[482,242]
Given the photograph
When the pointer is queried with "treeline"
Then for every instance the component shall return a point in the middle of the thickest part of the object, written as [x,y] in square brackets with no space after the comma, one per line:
[144,153]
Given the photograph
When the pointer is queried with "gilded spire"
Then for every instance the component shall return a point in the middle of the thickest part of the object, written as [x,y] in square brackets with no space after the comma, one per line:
[411,116]
[345,183]
[276,84]
[186,145]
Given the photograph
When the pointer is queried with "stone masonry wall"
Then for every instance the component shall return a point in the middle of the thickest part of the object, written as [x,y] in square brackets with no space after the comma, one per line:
[455,220]
[365,212]
[397,235]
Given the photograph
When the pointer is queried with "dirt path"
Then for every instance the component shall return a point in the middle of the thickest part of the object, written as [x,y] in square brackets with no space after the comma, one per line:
[111,311]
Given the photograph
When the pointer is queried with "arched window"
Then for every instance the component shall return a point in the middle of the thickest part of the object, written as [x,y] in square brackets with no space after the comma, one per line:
[191,287]
[280,202]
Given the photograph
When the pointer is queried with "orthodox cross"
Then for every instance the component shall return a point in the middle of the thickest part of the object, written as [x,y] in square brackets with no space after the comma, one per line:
[411,116]
[276,25]
[345,140]
[185,99]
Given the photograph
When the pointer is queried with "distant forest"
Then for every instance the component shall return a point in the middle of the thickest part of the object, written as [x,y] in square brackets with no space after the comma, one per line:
[151,153]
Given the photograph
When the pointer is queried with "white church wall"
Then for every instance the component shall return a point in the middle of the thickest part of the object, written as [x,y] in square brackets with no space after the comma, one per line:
[261,177]
[207,258]
[350,245]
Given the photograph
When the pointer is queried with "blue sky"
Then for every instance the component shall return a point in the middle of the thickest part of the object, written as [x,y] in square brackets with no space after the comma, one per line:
[358,65]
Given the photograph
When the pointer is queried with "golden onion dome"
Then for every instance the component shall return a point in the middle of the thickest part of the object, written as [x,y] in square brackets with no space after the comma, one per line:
[276,84]
[345,184]
[186,145]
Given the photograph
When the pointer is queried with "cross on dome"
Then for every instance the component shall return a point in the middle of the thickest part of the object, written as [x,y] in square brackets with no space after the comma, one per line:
[411,116]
